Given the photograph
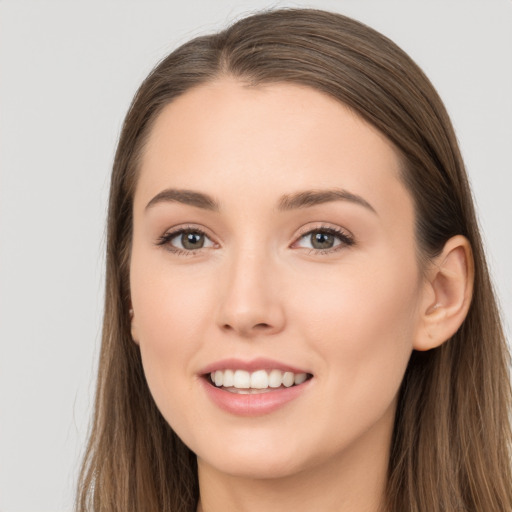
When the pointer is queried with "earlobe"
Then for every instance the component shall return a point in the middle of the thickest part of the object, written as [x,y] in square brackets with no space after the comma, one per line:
[447,294]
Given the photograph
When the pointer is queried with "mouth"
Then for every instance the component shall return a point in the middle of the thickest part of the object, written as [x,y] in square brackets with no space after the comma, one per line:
[260,381]
[255,387]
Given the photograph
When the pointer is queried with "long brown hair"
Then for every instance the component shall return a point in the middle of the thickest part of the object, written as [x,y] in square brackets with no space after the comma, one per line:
[451,446]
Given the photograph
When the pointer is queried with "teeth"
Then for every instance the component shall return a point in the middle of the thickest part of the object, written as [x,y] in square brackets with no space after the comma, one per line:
[241,380]
[228,379]
[300,378]
[275,379]
[260,379]
[288,379]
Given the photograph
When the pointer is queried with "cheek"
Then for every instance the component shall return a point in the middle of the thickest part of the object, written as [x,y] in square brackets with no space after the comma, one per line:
[362,320]
[169,303]
[358,299]
[169,319]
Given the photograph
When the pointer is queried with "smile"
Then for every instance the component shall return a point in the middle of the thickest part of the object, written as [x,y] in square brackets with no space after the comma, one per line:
[259,381]
[254,388]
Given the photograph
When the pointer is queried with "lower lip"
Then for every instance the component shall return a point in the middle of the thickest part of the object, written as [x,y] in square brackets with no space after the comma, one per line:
[256,404]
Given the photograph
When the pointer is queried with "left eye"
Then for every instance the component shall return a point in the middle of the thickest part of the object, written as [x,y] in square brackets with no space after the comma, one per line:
[324,239]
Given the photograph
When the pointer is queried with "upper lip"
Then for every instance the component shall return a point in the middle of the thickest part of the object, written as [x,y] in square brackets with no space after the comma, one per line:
[251,365]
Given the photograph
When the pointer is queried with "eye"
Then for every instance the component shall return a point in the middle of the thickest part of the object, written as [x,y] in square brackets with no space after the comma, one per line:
[185,240]
[325,239]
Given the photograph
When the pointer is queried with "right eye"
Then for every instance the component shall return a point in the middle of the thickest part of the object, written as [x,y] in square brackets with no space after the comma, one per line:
[185,240]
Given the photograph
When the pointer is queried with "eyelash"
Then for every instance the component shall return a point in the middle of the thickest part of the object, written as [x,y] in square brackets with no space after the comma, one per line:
[165,240]
[346,240]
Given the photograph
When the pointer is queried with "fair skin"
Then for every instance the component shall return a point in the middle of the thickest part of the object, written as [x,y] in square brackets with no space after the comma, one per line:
[330,288]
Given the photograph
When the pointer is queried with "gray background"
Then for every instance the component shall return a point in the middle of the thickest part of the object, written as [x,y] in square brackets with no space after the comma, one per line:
[68,71]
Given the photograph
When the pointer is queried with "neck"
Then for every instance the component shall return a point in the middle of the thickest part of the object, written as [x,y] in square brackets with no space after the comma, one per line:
[352,481]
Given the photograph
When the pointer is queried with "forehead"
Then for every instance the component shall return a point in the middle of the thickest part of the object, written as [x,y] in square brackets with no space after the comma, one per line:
[226,136]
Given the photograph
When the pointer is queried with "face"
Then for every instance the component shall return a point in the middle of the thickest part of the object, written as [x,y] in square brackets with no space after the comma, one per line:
[273,251]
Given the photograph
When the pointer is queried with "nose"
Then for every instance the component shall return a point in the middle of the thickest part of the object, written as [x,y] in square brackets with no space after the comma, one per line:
[250,302]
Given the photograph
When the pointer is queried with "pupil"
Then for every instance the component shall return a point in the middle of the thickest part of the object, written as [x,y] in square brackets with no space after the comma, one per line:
[322,240]
[192,240]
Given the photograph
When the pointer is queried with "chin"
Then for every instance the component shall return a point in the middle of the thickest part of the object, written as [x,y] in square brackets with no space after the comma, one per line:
[256,468]
[257,460]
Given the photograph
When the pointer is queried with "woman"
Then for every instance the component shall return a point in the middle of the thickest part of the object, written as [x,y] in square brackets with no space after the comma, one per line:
[298,310]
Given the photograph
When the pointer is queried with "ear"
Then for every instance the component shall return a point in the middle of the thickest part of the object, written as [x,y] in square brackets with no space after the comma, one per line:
[133,325]
[447,294]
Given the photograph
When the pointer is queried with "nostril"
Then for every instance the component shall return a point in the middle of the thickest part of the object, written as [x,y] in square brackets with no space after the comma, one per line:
[262,326]
[256,327]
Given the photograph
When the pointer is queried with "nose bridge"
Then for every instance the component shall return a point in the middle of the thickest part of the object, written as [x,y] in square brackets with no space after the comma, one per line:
[249,302]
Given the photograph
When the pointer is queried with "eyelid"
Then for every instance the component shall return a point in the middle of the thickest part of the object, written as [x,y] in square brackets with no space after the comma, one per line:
[165,239]
[345,237]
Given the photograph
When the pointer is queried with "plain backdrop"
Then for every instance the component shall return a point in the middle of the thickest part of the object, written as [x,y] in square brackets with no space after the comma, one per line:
[68,70]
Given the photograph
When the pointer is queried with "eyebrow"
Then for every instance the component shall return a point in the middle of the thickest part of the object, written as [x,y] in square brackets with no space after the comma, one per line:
[310,198]
[190,197]
[287,202]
